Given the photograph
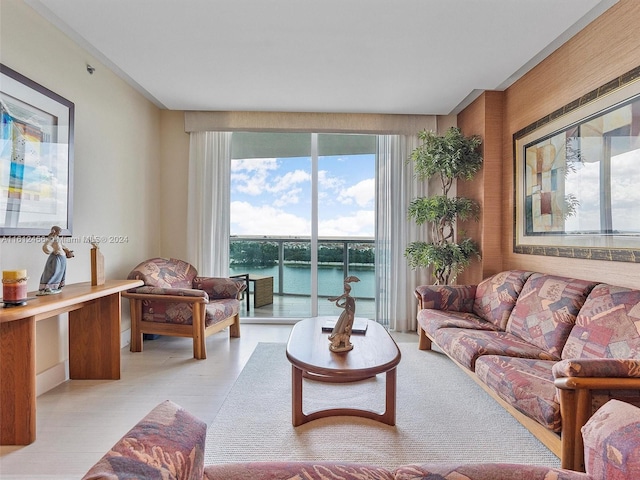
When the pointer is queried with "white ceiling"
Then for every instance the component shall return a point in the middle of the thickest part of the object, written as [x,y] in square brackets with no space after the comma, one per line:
[357,56]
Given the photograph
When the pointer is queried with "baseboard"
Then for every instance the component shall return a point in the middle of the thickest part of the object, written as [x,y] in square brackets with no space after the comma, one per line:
[52,377]
[125,338]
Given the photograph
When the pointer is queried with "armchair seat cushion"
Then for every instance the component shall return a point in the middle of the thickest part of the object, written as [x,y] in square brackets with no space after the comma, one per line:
[181,313]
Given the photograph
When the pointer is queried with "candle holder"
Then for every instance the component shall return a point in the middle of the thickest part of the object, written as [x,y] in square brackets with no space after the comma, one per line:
[14,287]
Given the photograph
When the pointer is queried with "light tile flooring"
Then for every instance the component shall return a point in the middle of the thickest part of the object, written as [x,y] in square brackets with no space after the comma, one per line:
[78,421]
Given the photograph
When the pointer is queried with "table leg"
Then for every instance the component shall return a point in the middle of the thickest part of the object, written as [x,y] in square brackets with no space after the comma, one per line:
[94,340]
[18,385]
[389,415]
[298,418]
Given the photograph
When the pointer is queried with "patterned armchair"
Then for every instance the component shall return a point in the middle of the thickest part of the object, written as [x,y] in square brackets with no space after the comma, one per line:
[175,301]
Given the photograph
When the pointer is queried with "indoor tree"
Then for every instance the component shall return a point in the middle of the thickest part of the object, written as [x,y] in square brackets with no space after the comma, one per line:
[449,157]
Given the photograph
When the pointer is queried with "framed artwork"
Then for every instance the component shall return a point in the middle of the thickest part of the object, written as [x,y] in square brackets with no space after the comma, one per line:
[577,177]
[36,157]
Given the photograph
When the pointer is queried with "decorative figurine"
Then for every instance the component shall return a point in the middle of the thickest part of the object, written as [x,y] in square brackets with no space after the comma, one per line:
[341,333]
[52,279]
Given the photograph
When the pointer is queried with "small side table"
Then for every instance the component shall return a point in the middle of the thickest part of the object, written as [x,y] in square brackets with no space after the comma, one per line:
[262,290]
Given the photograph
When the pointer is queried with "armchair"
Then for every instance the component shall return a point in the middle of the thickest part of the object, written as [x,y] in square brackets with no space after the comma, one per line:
[175,301]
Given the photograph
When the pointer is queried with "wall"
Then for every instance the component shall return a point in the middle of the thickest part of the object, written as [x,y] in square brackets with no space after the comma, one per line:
[116,174]
[484,118]
[174,159]
[605,49]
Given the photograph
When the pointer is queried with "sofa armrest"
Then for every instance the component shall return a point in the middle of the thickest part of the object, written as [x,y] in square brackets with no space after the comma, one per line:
[597,367]
[577,397]
[612,443]
[457,298]
[220,287]
[484,471]
[296,470]
[167,443]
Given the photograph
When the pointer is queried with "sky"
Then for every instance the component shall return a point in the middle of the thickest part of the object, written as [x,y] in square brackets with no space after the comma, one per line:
[272,196]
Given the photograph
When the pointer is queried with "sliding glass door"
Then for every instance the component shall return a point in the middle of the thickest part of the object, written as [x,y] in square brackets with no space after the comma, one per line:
[302,213]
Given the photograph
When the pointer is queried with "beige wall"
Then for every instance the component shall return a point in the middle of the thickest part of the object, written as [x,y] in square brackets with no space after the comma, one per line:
[116,167]
[174,157]
[604,50]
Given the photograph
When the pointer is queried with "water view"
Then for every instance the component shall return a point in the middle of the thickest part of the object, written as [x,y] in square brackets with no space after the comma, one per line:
[296,280]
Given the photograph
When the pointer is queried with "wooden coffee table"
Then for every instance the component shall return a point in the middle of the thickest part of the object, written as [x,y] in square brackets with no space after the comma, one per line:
[373,353]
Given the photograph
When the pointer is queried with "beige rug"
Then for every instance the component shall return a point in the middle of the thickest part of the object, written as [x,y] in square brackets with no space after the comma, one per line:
[442,416]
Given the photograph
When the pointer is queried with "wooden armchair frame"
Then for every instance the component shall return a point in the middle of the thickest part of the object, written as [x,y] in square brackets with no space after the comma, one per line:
[196,330]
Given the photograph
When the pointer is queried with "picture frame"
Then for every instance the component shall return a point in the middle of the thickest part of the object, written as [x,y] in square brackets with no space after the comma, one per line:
[36,157]
[577,177]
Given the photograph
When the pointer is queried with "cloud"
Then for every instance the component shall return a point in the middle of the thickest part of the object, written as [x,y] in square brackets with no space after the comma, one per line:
[328,182]
[359,224]
[250,175]
[292,197]
[362,193]
[266,220]
[288,180]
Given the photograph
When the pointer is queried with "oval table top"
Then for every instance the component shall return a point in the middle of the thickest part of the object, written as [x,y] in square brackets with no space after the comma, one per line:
[373,352]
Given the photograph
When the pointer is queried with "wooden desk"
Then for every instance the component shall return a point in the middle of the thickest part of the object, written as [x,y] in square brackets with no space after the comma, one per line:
[94,348]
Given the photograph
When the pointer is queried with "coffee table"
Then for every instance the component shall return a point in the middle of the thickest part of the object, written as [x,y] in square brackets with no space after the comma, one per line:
[373,353]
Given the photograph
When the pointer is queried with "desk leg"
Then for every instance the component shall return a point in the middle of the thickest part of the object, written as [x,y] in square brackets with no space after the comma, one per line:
[94,340]
[18,385]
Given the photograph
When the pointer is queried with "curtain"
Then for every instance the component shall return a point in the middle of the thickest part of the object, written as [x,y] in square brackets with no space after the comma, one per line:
[208,217]
[396,187]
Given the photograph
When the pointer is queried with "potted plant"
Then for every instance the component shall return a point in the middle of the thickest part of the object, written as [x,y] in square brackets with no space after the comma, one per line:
[449,157]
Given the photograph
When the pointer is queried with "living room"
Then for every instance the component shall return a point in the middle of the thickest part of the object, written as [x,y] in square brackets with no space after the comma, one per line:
[131,162]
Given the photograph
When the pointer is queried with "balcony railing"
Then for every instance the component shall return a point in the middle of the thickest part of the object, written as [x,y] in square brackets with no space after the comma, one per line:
[288,261]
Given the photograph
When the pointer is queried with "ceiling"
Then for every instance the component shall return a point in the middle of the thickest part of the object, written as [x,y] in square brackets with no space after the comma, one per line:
[355,56]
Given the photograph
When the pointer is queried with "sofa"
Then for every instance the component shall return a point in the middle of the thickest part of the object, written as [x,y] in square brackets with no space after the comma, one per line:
[550,349]
[169,444]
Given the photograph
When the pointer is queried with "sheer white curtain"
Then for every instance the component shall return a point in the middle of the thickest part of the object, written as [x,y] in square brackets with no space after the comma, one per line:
[209,202]
[396,187]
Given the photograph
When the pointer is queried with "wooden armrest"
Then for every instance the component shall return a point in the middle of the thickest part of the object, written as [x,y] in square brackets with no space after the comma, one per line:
[597,383]
[165,298]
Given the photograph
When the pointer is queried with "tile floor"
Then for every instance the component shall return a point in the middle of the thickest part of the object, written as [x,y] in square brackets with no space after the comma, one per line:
[78,421]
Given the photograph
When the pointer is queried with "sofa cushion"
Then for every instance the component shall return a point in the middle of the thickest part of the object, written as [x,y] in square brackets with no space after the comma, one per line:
[607,325]
[295,470]
[496,296]
[466,346]
[524,383]
[485,471]
[546,311]
[432,320]
[612,443]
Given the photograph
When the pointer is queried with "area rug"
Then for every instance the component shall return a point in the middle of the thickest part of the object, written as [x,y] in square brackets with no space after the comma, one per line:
[441,416]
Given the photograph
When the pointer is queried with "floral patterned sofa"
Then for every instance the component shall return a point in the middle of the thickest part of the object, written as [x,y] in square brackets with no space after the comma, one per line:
[550,349]
[175,301]
[169,444]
